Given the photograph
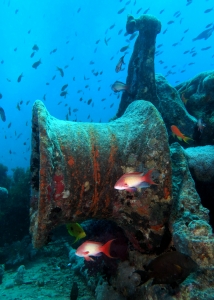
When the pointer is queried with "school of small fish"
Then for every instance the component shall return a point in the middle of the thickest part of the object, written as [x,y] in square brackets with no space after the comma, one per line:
[71,99]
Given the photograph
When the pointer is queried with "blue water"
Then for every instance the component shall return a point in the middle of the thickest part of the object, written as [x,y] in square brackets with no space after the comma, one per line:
[78,29]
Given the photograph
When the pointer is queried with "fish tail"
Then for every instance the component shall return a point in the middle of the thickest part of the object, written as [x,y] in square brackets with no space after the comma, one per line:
[77,238]
[187,139]
[106,248]
[147,177]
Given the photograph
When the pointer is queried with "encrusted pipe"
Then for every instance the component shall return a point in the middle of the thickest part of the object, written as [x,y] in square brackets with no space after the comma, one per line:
[76,165]
[141,71]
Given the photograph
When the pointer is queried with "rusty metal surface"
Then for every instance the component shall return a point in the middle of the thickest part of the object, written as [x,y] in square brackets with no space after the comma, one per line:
[75,166]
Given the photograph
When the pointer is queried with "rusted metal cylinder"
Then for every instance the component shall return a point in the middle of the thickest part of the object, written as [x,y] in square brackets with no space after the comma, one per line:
[75,165]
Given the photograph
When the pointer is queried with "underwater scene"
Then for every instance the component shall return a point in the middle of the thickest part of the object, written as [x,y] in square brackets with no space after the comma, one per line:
[107,150]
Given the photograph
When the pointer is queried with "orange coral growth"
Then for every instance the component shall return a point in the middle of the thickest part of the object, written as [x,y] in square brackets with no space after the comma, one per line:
[78,212]
[143,210]
[157,227]
[71,161]
[42,172]
[96,175]
[166,192]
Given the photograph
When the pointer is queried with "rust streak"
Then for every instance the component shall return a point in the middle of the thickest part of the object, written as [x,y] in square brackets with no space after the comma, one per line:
[96,176]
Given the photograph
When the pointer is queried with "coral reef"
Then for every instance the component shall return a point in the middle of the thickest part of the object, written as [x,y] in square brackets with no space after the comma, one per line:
[201,162]
[74,168]
[19,278]
[106,292]
[3,194]
[199,93]
[172,109]
[1,273]
[14,212]
[191,231]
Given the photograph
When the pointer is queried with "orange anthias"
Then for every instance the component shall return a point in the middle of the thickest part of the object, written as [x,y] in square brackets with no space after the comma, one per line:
[131,181]
[90,248]
[180,135]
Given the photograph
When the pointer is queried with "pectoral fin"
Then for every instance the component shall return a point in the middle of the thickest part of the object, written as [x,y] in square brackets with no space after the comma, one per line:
[88,258]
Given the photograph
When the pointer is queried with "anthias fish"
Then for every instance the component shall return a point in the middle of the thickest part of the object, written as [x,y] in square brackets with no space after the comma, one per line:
[119,86]
[168,268]
[74,229]
[90,248]
[131,181]
[180,136]
[119,64]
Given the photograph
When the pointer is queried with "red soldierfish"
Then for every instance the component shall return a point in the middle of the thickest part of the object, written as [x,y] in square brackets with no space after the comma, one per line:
[119,64]
[90,248]
[119,86]
[131,181]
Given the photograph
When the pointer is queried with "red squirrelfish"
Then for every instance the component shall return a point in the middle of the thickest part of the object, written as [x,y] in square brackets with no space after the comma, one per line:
[119,64]
[119,86]
[90,248]
[180,136]
[131,181]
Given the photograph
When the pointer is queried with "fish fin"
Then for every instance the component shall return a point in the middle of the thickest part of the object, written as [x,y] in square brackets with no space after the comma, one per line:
[134,173]
[88,258]
[143,276]
[186,139]
[98,254]
[77,238]
[106,248]
[131,189]
[178,268]
[147,177]
[143,185]
[180,138]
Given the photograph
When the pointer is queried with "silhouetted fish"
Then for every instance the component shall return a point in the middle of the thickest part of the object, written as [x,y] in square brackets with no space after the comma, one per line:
[64,87]
[204,34]
[20,77]
[168,268]
[36,64]
[124,48]
[121,10]
[61,71]
[208,10]
[2,114]
[35,47]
